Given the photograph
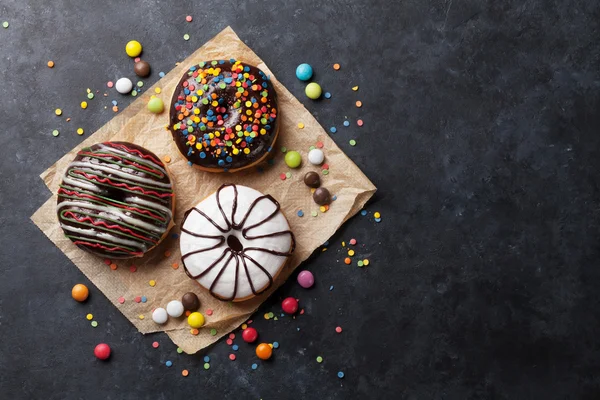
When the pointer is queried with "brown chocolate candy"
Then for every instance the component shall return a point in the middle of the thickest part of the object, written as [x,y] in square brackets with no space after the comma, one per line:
[311,179]
[321,196]
[141,68]
[190,301]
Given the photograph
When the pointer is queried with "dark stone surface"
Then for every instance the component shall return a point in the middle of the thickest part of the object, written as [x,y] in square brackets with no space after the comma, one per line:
[481,131]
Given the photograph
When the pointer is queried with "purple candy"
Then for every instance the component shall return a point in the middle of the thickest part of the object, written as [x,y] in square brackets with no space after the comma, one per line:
[306,279]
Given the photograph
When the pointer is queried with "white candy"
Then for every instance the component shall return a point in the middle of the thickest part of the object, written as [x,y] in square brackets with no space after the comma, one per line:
[124,85]
[316,157]
[160,316]
[175,308]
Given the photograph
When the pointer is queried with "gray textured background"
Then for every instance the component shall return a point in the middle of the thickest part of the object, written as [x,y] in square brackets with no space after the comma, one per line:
[481,131]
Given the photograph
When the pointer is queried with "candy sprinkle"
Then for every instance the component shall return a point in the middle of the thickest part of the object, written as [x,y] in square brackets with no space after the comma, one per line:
[359,122]
[113,266]
[340,374]
[206,365]
[363,212]
[377,215]
[50,64]
[169,363]
[352,241]
[346,123]
[300,213]
[144,299]
[352,142]
[319,359]
[360,263]
[333,129]
[186,37]
[89,317]
[314,213]
[359,104]
[209,312]
[327,95]
[366,262]
[5,24]
[155,345]
[94,324]
[141,316]
[179,350]
[188,18]
[350,253]
[282,176]
[355,88]
[152,283]
[213,332]
[110,84]
[206,359]
[185,372]
[232,357]
[338,329]
[300,125]
[347,260]
[55,133]
[121,299]
[137,299]
[275,345]
[336,66]
[58,111]
[80,131]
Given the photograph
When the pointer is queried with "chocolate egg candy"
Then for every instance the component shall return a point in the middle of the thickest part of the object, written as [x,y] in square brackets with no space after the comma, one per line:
[321,196]
[190,301]
[142,69]
[311,179]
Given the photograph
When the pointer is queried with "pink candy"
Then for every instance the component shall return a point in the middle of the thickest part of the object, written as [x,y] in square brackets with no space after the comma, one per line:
[306,279]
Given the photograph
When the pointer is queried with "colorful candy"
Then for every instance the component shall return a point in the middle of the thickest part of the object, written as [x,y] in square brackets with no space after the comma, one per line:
[175,308]
[80,292]
[264,351]
[190,301]
[141,69]
[102,351]
[316,156]
[312,179]
[293,159]
[195,320]
[249,335]
[133,48]
[321,196]
[124,85]
[304,72]
[313,90]
[160,316]
[156,105]
[289,305]
[306,279]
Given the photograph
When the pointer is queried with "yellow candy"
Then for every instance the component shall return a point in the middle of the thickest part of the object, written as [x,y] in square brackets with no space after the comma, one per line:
[58,111]
[133,48]
[377,215]
[196,320]
[84,104]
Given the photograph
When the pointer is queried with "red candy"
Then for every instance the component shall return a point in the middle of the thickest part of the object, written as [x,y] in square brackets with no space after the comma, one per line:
[102,351]
[289,305]
[249,335]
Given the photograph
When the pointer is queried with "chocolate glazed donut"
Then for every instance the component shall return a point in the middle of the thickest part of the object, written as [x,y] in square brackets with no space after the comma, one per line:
[223,115]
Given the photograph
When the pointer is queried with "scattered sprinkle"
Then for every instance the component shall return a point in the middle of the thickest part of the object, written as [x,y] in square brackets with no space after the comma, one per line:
[179,350]
[350,253]
[185,372]
[359,122]
[327,95]
[340,374]
[206,359]
[89,317]
[330,288]
[300,125]
[363,212]
[336,66]
[275,345]
[157,90]
[320,145]
[352,142]
[80,131]
[213,332]
[300,213]
[187,37]
[175,265]
[155,345]
[168,253]
[232,357]
[161,74]
[194,331]
[141,316]
[144,299]
[167,159]
[377,214]
[235,347]
[254,366]
[358,103]
[346,123]
[206,365]
[169,363]
[133,268]
[333,129]
[90,95]
[282,176]
[137,299]
[319,359]
[50,64]
[5,24]
[113,266]
[360,263]
[229,342]
[121,299]
[188,18]
[377,220]
[110,84]
[352,241]
[58,111]
[338,329]
[94,324]
[209,312]
[288,175]
[55,133]
[314,213]
[283,149]
[366,262]
[348,260]
[355,88]
[152,283]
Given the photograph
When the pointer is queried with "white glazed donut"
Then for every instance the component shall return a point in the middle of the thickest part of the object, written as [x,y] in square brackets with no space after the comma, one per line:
[235,242]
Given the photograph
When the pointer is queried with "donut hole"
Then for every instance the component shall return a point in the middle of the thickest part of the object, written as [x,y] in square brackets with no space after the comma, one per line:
[234,243]
[116,194]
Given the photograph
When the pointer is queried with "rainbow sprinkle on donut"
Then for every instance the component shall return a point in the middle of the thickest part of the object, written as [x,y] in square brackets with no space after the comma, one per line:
[223,115]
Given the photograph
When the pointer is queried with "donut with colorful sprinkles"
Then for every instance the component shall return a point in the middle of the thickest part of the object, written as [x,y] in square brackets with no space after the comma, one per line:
[116,200]
[223,115]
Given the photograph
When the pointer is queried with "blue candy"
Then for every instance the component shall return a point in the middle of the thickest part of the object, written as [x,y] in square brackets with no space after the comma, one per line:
[304,72]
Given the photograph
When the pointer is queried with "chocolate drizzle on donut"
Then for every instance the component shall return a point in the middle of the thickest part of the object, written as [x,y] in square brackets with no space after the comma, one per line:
[115,200]
[241,257]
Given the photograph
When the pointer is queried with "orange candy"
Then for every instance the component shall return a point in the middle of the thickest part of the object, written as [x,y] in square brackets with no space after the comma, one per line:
[80,292]
[264,351]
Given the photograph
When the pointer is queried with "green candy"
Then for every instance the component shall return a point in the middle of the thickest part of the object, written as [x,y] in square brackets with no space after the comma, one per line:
[293,159]
[156,105]
[313,90]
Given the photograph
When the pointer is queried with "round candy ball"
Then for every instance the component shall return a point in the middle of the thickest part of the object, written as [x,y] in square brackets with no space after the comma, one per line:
[124,85]
[196,320]
[190,301]
[289,305]
[160,316]
[293,159]
[102,351]
[175,309]
[316,156]
[156,105]
[80,292]
[311,179]
[313,90]
[264,351]
[304,72]
[141,69]
[133,48]
[306,279]
[249,335]
[321,196]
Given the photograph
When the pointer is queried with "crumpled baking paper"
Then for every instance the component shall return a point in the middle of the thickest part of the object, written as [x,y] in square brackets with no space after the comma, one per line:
[162,265]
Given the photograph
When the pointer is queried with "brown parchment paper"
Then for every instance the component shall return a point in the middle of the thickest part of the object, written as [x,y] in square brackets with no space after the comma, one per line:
[135,124]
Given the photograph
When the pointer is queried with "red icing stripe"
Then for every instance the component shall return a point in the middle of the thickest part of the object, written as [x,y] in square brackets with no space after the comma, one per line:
[104,224]
[104,155]
[139,153]
[135,253]
[88,196]
[137,188]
